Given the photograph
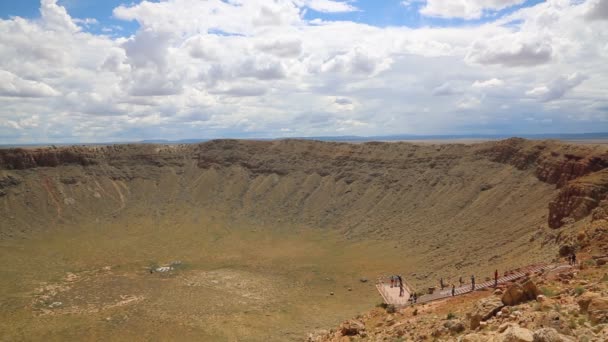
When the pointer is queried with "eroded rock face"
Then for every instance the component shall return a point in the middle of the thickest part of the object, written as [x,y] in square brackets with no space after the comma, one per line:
[598,310]
[585,299]
[19,159]
[484,309]
[580,172]
[578,198]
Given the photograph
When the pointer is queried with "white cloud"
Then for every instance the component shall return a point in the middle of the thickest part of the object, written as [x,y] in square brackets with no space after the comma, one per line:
[252,68]
[511,50]
[598,10]
[14,86]
[56,17]
[557,88]
[468,103]
[328,6]
[446,89]
[491,83]
[467,9]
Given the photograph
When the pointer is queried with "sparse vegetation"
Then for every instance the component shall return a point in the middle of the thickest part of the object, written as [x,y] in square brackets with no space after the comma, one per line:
[548,292]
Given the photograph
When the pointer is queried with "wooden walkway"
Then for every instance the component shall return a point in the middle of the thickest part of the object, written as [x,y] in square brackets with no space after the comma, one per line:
[391,295]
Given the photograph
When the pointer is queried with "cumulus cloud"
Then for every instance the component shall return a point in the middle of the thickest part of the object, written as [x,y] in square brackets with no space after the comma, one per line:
[56,17]
[467,9]
[557,88]
[511,50]
[252,68]
[598,10]
[14,86]
[288,47]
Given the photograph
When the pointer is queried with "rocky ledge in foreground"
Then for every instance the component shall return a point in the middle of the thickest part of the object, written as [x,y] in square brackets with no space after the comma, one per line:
[570,305]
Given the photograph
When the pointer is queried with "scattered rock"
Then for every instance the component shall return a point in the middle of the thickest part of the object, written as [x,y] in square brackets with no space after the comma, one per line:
[55,305]
[585,299]
[455,326]
[483,310]
[363,280]
[515,333]
[519,293]
[164,269]
[351,328]
[598,310]
[550,335]
[566,250]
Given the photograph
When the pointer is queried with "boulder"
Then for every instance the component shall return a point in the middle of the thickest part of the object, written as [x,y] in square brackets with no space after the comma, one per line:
[566,250]
[515,333]
[455,326]
[550,335]
[519,293]
[585,299]
[598,310]
[351,328]
[485,309]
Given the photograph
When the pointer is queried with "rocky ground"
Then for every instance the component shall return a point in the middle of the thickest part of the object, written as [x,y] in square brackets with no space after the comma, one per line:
[568,304]
[571,305]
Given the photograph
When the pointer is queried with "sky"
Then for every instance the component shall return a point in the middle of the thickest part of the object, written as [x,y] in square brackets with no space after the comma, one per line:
[83,71]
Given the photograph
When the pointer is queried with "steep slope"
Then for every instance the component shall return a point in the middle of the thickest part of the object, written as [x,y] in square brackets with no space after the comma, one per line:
[480,202]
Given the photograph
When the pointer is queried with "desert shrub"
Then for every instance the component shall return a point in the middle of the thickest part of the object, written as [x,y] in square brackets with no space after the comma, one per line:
[391,309]
[557,307]
[382,305]
[547,291]
[589,262]
[579,290]
[415,313]
[451,315]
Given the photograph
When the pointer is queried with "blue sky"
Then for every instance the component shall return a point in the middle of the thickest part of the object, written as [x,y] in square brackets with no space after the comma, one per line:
[167,70]
[373,12]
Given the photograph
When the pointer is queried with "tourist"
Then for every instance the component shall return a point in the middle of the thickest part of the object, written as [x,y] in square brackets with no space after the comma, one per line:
[496,278]
[460,280]
[401,290]
[472,283]
[573,259]
[392,281]
[441,283]
[453,290]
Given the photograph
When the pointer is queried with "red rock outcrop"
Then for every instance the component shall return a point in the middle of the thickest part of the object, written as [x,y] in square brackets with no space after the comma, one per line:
[578,198]
[19,159]
[580,171]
